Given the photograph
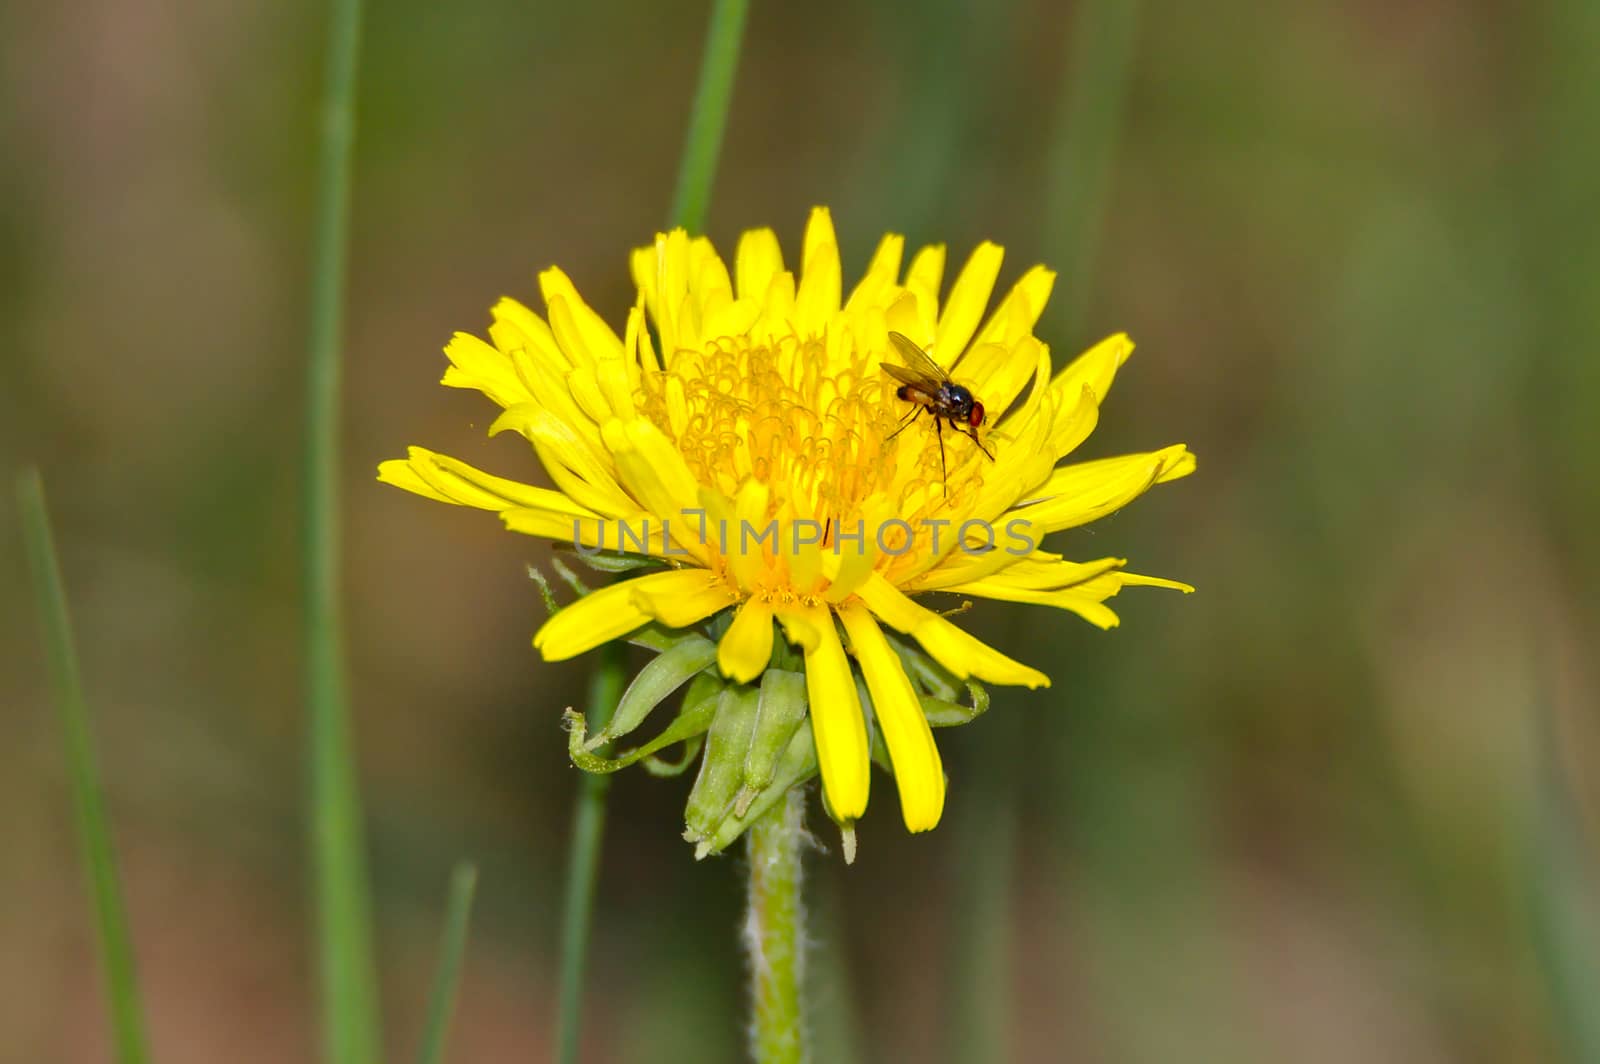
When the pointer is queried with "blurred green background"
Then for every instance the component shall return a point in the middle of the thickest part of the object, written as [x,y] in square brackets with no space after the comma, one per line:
[1331,808]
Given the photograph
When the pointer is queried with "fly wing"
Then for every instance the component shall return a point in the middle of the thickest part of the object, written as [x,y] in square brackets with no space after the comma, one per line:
[917,359]
[917,382]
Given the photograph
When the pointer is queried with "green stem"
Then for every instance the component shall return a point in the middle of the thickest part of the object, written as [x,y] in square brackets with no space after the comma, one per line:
[344,934]
[583,857]
[709,116]
[94,836]
[774,932]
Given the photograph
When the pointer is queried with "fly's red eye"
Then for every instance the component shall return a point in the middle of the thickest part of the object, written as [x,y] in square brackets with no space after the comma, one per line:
[975,418]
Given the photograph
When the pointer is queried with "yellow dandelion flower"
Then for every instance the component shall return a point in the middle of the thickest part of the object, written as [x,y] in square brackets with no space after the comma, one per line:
[743,431]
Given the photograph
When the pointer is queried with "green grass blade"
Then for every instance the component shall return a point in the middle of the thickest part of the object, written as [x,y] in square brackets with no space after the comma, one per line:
[453,944]
[709,117]
[583,858]
[347,979]
[1085,143]
[94,835]
[1564,919]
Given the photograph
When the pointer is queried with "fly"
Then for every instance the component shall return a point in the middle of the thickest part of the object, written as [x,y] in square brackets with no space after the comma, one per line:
[925,384]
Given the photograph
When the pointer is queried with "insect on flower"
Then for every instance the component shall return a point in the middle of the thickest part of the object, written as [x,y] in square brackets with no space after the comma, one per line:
[928,387]
[768,410]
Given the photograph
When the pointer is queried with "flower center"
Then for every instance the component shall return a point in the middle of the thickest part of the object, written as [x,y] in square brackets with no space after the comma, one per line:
[825,442]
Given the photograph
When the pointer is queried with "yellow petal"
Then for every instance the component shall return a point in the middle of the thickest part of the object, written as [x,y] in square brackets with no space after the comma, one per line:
[1055,575]
[567,457]
[800,545]
[580,331]
[592,532]
[643,266]
[398,471]
[1021,461]
[708,274]
[836,720]
[817,299]
[926,271]
[1085,596]
[648,361]
[777,310]
[516,327]
[611,374]
[1019,311]
[746,646]
[549,384]
[1039,570]
[476,364]
[1040,401]
[631,357]
[654,473]
[1087,606]
[733,318]
[584,385]
[1096,367]
[691,597]
[922,282]
[880,276]
[1074,424]
[757,262]
[968,299]
[947,644]
[847,563]
[598,617]
[918,773]
[999,371]
[663,286]
[1138,580]
[1077,494]
[451,480]
[748,554]
[905,315]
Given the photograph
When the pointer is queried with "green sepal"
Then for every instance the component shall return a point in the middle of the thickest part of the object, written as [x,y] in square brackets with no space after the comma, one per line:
[798,764]
[546,592]
[722,767]
[607,561]
[926,673]
[654,636]
[785,655]
[699,710]
[781,708]
[942,713]
[718,623]
[664,769]
[655,683]
[570,578]
[939,689]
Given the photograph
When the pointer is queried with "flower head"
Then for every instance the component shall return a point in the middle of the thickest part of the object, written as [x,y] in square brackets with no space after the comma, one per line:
[742,432]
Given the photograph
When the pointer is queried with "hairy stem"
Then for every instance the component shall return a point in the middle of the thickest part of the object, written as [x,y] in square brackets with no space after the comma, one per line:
[774,933]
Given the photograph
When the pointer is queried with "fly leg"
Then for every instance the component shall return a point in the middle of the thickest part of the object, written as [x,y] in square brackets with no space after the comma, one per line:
[938,427]
[905,422]
[972,434]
